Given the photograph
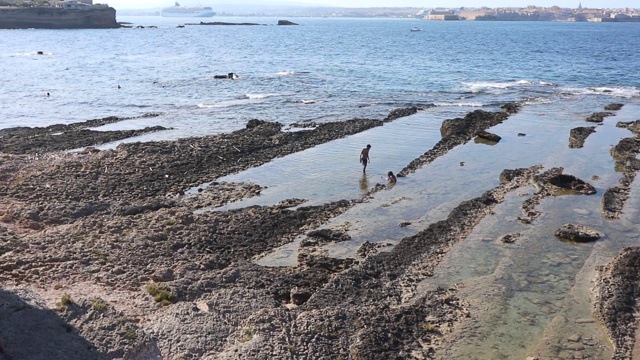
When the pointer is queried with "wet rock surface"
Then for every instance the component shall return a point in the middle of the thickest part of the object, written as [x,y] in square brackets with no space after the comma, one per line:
[633,126]
[598,117]
[25,140]
[572,183]
[551,183]
[613,106]
[579,135]
[491,137]
[577,233]
[459,131]
[510,238]
[624,153]
[616,291]
[398,113]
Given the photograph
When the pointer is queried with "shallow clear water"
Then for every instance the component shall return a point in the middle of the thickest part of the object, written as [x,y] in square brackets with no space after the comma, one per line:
[528,294]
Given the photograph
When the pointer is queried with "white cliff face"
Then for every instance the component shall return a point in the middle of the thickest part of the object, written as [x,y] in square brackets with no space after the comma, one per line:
[57,18]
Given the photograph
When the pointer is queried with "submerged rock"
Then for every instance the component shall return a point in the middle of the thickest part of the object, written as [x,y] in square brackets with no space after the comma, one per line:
[552,183]
[327,235]
[510,238]
[509,174]
[489,136]
[572,183]
[456,132]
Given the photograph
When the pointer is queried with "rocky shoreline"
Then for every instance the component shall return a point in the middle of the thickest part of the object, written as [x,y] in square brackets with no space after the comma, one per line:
[103,254]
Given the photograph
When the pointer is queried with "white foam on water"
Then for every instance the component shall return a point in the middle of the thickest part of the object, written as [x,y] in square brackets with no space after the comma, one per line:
[259,96]
[617,91]
[222,104]
[285,73]
[492,86]
[537,100]
[462,104]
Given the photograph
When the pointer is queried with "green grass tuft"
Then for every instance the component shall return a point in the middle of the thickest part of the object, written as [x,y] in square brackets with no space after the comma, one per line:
[65,301]
[430,328]
[161,293]
[99,304]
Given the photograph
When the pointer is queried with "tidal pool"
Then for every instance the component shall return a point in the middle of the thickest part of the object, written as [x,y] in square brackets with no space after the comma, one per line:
[528,298]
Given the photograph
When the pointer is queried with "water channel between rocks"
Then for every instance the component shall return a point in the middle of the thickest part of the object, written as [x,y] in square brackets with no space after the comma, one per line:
[530,297]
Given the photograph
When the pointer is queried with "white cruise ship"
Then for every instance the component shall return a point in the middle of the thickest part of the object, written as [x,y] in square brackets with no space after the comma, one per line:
[187,11]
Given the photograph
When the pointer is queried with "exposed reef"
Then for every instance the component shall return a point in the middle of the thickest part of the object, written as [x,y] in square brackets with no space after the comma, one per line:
[459,131]
[617,289]
[113,253]
[624,153]
[579,135]
[25,140]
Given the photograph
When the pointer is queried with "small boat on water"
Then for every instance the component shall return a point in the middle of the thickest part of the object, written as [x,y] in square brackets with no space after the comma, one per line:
[415,28]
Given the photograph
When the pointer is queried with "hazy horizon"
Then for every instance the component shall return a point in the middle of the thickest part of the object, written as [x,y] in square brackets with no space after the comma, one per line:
[141,4]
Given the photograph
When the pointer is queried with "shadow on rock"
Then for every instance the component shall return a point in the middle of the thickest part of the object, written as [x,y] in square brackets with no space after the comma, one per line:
[29,331]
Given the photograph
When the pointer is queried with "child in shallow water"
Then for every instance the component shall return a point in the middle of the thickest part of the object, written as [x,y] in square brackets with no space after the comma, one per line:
[392,178]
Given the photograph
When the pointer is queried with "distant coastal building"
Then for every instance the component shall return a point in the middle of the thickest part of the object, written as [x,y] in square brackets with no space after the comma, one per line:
[473,14]
[616,18]
[553,13]
[441,15]
[79,5]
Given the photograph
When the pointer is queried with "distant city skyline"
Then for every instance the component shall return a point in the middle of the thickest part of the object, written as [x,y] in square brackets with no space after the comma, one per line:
[141,4]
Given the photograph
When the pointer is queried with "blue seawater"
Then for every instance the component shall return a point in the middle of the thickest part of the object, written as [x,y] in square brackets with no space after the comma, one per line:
[334,69]
[321,70]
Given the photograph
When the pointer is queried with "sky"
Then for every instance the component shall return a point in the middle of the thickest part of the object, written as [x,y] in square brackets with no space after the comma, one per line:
[147,4]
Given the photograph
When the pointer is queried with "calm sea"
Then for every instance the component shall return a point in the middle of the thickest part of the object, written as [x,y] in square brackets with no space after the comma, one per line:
[525,297]
[322,70]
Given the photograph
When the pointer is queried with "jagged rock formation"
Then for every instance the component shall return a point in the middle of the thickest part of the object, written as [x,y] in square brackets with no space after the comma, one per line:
[578,136]
[616,292]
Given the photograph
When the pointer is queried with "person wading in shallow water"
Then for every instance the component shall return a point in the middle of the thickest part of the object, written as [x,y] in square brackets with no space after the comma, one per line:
[364,157]
[392,178]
